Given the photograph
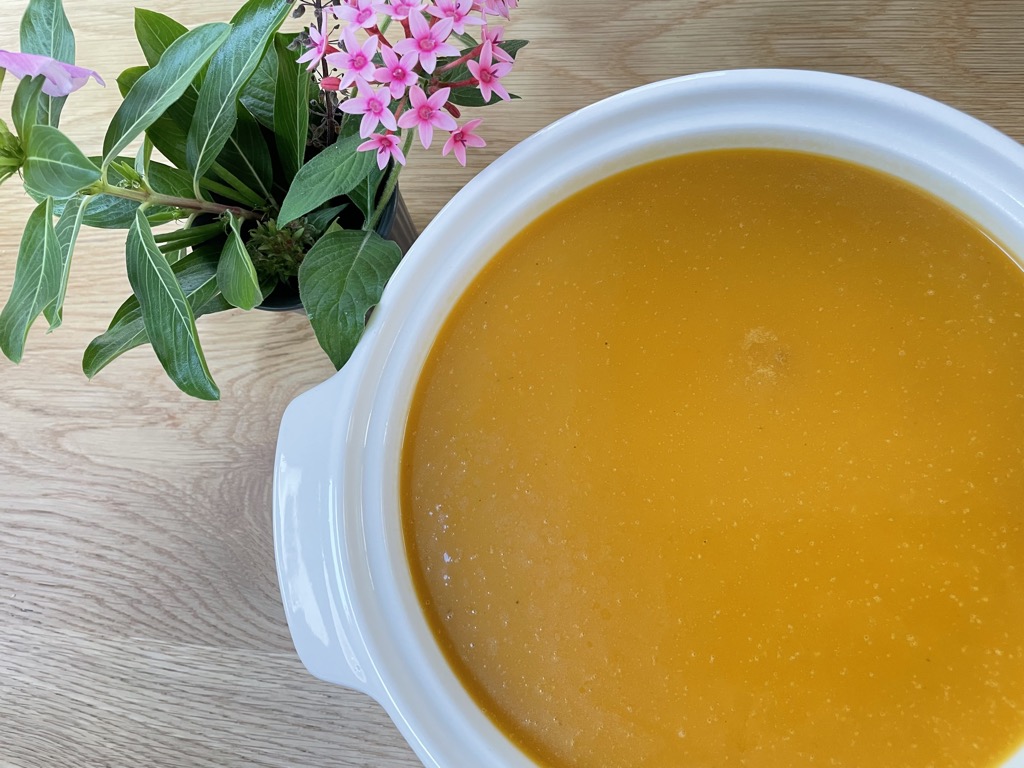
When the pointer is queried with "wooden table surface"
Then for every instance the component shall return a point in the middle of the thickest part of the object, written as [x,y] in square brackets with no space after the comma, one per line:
[140,621]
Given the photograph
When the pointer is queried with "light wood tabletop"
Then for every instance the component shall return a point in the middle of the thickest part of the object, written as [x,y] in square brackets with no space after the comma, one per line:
[140,620]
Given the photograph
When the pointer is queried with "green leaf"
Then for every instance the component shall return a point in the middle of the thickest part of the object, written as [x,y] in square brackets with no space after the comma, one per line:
[341,279]
[230,68]
[246,154]
[26,106]
[162,85]
[169,133]
[45,31]
[54,166]
[197,276]
[470,96]
[128,78]
[36,281]
[236,276]
[188,237]
[144,157]
[364,194]
[246,158]
[169,320]
[318,221]
[169,181]
[105,211]
[291,108]
[68,226]
[257,95]
[193,272]
[333,172]
[155,33]
[12,153]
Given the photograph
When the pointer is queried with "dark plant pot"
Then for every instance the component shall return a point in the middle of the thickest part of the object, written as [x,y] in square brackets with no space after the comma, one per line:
[395,224]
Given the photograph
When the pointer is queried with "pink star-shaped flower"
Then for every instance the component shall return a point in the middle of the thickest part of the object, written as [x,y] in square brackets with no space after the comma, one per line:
[403,9]
[498,7]
[456,10]
[355,61]
[496,35]
[488,73]
[320,48]
[462,138]
[361,13]
[387,147]
[373,105]
[397,73]
[60,78]
[427,114]
[427,41]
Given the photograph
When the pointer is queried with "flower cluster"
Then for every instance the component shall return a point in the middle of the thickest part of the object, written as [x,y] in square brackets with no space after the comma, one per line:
[393,63]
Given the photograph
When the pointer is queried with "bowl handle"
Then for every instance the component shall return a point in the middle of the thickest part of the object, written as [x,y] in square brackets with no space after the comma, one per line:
[308,534]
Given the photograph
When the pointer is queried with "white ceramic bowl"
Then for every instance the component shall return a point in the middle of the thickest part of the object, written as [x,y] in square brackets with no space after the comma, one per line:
[347,590]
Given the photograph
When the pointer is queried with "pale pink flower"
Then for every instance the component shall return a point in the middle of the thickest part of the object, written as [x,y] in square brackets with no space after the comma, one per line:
[398,73]
[456,10]
[403,9]
[361,13]
[427,41]
[321,46]
[497,7]
[355,61]
[496,35]
[387,147]
[488,73]
[373,105]
[60,78]
[427,114]
[462,138]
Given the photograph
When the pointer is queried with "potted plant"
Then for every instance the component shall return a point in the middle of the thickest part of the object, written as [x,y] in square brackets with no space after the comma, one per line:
[268,165]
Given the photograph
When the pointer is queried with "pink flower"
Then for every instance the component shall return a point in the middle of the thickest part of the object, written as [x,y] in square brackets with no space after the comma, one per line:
[320,48]
[386,146]
[456,10]
[373,106]
[488,73]
[354,61]
[427,41]
[497,7]
[396,72]
[403,9]
[330,83]
[361,13]
[496,35]
[427,114]
[61,79]
[462,138]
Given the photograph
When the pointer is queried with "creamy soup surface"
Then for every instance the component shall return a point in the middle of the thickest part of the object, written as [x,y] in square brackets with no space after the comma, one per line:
[719,463]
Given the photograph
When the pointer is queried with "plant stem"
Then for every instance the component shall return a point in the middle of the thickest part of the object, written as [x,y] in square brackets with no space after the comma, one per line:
[389,188]
[149,197]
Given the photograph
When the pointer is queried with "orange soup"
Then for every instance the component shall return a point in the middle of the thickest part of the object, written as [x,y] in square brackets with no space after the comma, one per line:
[719,463]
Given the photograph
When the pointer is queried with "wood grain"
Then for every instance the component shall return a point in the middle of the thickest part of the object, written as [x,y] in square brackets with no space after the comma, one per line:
[140,621]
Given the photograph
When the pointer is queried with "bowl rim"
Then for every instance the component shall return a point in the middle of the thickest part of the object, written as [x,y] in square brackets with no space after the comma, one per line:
[956,157]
